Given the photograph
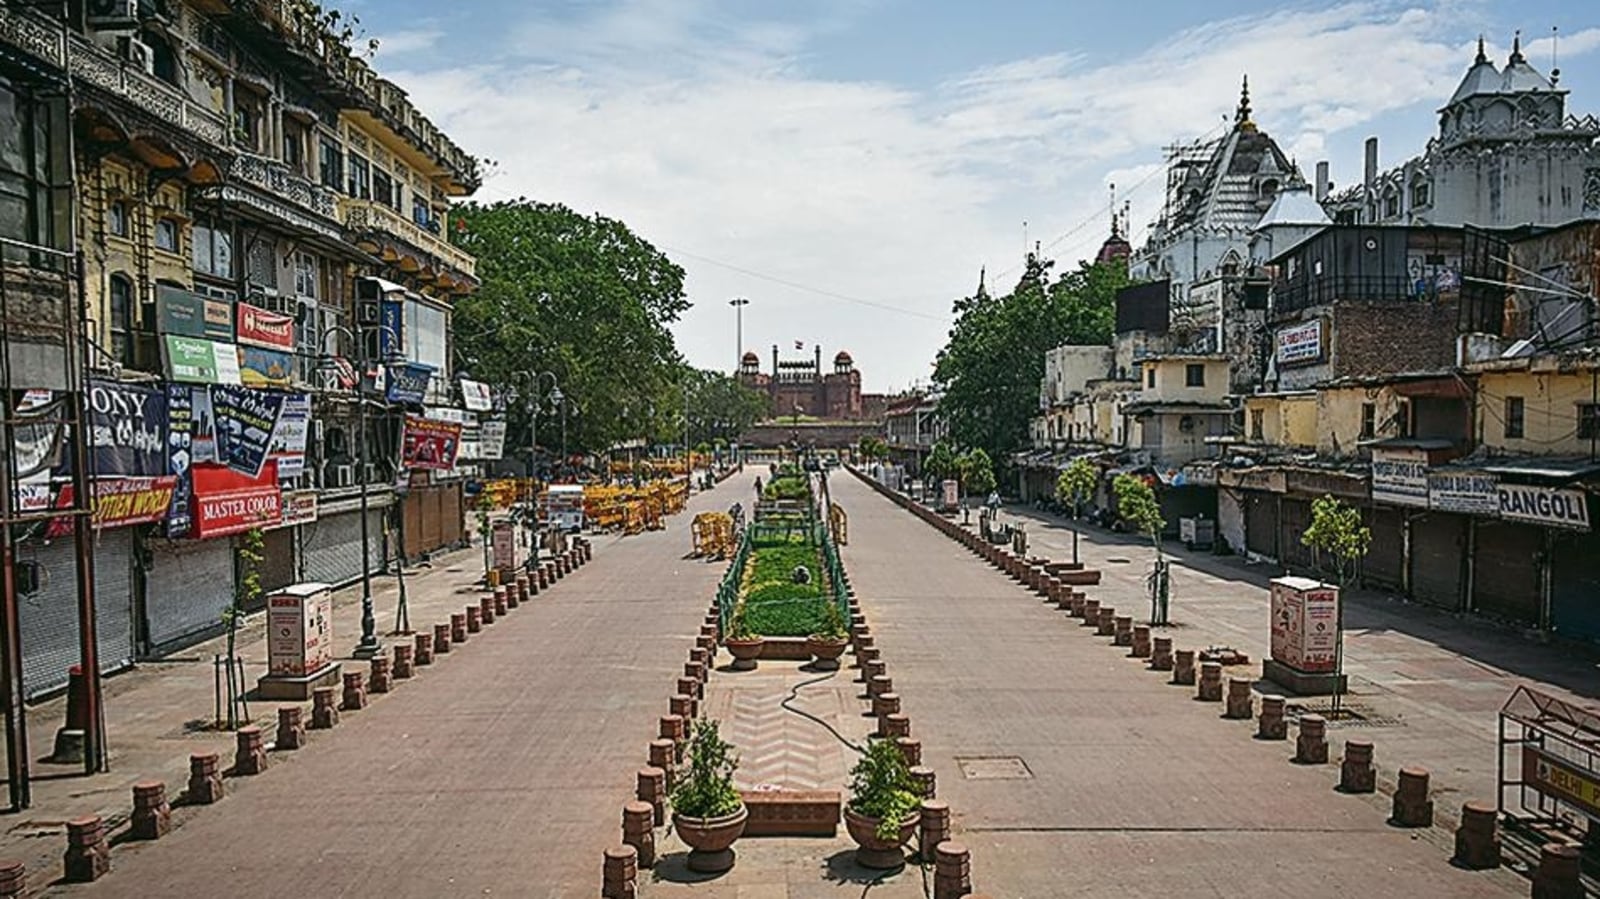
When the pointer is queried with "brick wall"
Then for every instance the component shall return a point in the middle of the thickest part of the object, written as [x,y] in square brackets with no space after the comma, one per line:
[1384,338]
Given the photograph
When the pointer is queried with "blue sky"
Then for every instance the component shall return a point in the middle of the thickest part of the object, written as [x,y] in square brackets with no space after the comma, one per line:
[849,165]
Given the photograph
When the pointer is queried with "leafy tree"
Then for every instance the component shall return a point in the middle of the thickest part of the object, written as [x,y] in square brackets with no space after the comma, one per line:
[249,553]
[1336,530]
[872,448]
[720,406]
[1137,504]
[991,365]
[977,472]
[941,462]
[1074,486]
[582,297]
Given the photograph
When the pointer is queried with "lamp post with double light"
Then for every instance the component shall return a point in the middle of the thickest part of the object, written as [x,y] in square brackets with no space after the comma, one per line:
[738,304]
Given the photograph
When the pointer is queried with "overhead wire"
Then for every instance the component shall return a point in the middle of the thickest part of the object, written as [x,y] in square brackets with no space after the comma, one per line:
[807,288]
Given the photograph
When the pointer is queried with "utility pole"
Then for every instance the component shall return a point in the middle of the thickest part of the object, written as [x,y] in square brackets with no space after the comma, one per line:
[738,304]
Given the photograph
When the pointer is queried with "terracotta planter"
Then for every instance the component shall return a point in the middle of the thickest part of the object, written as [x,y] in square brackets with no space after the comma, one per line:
[710,840]
[873,852]
[826,651]
[744,652]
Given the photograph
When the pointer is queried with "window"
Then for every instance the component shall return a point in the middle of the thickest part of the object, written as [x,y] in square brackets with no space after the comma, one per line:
[1194,375]
[420,213]
[360,185]
[167,235]
[122,319]
[213,249]
[1513,418]
[244,126]
[1150,376]
[294,153]
[33,154]
[1404,416]
[1391,206]
[331,164]
[386,190]
[1419,194]
[305,275]
[1258,419]
[117,218]
[1588,421]
[1369,420]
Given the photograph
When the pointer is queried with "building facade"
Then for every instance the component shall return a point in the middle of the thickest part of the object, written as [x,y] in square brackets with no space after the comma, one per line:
[802,387]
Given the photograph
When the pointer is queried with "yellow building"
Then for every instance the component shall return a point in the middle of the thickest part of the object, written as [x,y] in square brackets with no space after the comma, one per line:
[1547,405]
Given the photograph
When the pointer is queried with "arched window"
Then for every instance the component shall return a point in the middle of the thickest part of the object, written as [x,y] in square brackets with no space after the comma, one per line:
[121,322]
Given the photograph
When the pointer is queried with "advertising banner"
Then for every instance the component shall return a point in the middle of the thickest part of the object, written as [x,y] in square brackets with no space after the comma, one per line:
[475,396]
[118,502]
[1563,780]
[1400,476]
[504,546]
[228,502]
[180,457]
[492,439]
[127,429]
[1300,344]
[299,507]
[244,421]
[289,437]
[1305,624]
[179,311]
[408,383]
[1469,492]
[391,330]
[299,630]
[198,361]
[258,327]
[265,368]
[430,444]
[1560,507]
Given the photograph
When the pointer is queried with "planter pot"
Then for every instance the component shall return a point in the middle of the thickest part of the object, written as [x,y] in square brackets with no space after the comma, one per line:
[873,852]
[826,651]
[744,652]
[710,840]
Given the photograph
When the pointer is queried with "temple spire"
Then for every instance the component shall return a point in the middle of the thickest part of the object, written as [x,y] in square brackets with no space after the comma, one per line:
[1483,57]
[1516,48]
[1241,118]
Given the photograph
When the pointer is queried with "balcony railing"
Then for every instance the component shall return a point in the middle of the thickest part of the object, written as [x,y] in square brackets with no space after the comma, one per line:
[362,215]
[279,180]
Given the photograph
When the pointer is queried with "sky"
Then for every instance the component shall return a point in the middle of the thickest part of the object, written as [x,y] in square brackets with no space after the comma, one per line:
[850,166]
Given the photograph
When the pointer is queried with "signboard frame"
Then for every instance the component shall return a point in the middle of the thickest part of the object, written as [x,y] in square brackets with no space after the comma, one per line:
[1400,476]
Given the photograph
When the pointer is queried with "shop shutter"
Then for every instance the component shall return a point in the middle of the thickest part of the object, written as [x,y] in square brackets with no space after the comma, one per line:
[1295,515]
[1438,547]
[187,588]
[1261,523]
[1384,565]
[412,510]
[277,562]
[1575,595]
[432,536]
[1505,571]
[49,617]
[450,515]
[331,547]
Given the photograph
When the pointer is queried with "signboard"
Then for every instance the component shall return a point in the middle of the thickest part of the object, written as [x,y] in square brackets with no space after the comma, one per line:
[300,630]
[299,507]
[492,439]
[1400,476]
[408,383]
[1559,507]
[118,502]
[179,311]
[1300,344]
[504,546]
[199,361]
[127,429]
[264,368]
[180,456]
[258,327]
[227,502]
[430,444]
[289,437]
[1469,492]
[952,494]
[1562,780]
[391,329]
[244,421]
[1305,624]
[475,396]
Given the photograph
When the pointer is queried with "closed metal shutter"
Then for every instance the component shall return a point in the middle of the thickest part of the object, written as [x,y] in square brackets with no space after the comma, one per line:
[450,515]
[49,617]
[1575,599]
[1384,565]
[331,547]
[277,563]
[1438,548]
[1295,515]
[1261,523]
[412,510]
[1505,571]
[188,587]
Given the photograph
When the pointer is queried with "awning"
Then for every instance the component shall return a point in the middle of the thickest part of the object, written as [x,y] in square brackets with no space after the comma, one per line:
[1556,469]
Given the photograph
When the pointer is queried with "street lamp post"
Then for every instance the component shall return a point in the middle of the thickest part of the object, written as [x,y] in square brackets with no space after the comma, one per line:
[738,304]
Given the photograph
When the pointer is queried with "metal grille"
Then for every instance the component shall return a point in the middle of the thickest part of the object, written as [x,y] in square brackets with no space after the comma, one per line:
[188,587]
[49,617]
[330,548]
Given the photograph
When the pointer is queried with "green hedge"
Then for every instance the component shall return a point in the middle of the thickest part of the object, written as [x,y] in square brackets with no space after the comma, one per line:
[775,606]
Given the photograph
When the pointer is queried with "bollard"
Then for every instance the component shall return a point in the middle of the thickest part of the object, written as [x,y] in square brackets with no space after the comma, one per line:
[652,788]
[291,727]
[682,705]
[661,757]
[1183,667]
[355,692]
[1210,687]
[1311,747]
[502,601]
[872,668]
[952,870]
[1271,724]
[1239,699]
[1075,603]
[250,753]
[620,876]
[381,679]
[1141,642]
[910,751]
[1412,807]
[458,631]
[324,711]
[1122,635]
[691,687]
[1356,773]
[880,684]
[13,880]
[403,665]
[205,778]
[926,782]
[895,725]
[700,655]
[474,620]
[88,857]
[1478,837]
[441,641]
[1091,613]
[696,670]
[486,609]
[638,831]
[1560,872]
[1161,654]
[672,729]
[152,814]
[1107,625]
[935,827]
[423,654]
[518,594]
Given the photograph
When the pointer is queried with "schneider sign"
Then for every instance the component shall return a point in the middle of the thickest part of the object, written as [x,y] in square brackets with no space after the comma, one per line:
[1554,506]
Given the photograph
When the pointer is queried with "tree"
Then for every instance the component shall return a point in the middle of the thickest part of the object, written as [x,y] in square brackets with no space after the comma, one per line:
[1336,530]
[977,472]
[246,594]
[720,407]
[941,462]
[1137,504]
[582,297]
[872,448]
[1074,486]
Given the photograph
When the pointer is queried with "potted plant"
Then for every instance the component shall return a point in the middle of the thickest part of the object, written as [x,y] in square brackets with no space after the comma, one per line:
[742,643]
[707,811]
[828,643]
[884,808]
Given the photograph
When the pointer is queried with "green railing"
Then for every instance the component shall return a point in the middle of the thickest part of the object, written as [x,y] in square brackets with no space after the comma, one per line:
[817,532]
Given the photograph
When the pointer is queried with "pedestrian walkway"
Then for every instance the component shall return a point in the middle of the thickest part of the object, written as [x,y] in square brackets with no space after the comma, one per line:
[1072,770]
[500,769]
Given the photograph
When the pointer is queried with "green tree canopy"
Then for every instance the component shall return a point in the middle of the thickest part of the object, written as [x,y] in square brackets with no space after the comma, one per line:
[1076,483]
[1137,504]
[977,471]
[720,407]
[941,462]
[1336,530]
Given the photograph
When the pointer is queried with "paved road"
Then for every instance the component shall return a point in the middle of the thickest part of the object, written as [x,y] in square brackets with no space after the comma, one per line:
[1128,787]
[501,771]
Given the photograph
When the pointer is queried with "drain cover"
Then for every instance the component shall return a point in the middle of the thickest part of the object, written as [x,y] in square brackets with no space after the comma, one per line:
[999,767]
[1118,560]
[1351,715]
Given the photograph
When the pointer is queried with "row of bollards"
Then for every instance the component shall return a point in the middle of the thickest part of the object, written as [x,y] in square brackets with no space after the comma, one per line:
[1477,837]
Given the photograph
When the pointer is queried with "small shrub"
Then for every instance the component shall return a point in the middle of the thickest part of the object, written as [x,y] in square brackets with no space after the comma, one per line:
[705,786]
[881,787]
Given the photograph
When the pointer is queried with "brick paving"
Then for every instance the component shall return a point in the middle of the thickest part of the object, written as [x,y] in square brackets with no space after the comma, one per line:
[499,770]
[1113,783]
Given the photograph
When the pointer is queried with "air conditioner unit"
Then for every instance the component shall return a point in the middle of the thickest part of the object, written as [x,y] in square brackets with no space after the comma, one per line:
[137,54]
[112,15]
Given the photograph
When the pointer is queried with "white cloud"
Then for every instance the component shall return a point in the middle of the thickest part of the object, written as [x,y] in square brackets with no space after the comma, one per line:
[712,135]
[394,43]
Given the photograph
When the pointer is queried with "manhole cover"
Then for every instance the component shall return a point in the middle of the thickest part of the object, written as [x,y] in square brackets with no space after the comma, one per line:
[1117,560]
[1349,715]
[1003,767]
